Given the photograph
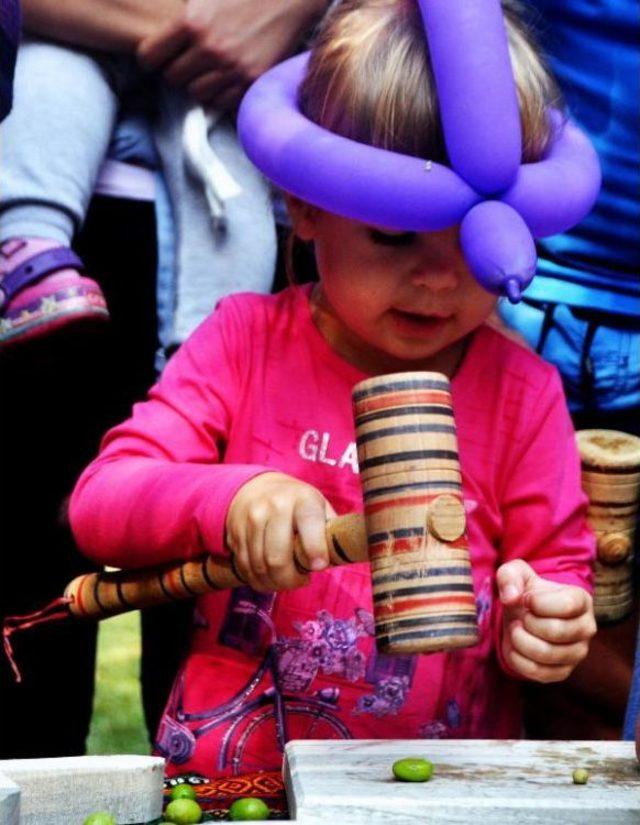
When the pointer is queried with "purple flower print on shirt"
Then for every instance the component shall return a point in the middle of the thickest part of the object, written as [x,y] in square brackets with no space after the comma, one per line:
[392,677]
[296,664]
[354,665]
[444,728]
[310,631]
[326,645]
[389,696]
[365,623]
[484,602]
[434,730]
[341,635]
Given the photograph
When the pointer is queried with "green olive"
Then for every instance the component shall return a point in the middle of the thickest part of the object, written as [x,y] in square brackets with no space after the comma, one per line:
[413,769]
[100,818]
[183,812]
[580,776]
[248,808]
[183,791]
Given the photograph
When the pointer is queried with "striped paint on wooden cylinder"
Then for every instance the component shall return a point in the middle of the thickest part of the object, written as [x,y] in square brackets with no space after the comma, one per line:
[98,595]
[408,459]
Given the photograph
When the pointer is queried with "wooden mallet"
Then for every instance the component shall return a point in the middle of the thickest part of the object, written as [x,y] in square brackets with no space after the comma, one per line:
[413,530]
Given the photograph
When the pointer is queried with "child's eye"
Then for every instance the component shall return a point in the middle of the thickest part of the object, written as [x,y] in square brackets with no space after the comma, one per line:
[392,238]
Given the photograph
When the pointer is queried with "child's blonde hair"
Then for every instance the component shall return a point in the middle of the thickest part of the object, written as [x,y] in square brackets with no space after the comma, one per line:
[370,79]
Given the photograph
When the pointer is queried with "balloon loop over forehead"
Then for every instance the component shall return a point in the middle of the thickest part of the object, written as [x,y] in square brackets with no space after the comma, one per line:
[499,202]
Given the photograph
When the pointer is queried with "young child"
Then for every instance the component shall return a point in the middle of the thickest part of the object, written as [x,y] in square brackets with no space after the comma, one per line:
[248,438]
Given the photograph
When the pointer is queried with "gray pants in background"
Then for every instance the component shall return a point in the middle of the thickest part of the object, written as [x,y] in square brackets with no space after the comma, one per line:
[66,105]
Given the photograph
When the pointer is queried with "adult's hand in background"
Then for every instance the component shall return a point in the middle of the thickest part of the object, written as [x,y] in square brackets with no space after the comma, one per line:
[216,48]
[108,25]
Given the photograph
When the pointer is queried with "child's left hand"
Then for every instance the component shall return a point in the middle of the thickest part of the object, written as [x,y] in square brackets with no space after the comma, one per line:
[547,626]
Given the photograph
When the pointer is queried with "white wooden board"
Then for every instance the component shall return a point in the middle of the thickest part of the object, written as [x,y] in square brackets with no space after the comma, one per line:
[479,782]
[9,802]
[65,791]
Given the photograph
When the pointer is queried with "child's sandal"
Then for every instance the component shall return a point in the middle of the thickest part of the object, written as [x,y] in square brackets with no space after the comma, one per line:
[44,292]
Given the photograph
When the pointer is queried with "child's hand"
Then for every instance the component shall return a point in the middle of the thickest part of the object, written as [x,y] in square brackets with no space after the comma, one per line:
[264,516]
[547,626]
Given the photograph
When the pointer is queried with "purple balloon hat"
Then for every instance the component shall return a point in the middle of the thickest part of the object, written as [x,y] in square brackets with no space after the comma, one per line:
[500,203]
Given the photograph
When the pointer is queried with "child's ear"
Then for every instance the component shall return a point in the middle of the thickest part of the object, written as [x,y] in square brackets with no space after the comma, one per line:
[303,217]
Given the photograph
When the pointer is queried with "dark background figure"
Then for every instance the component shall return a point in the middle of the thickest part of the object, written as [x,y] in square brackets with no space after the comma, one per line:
[57,401]
[582,311]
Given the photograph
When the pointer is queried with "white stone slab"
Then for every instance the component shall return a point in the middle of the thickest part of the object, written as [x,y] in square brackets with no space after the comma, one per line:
[65,791]
[479,782]
[9,801]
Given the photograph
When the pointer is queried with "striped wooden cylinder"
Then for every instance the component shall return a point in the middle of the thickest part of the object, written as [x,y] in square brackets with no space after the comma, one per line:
[611,479]
[414,513]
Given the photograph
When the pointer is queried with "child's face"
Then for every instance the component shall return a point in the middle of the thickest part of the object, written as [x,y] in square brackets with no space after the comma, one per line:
[410,296]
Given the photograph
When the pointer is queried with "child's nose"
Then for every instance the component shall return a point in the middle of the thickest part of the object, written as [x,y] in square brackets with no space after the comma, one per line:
[437,276]
[438,264]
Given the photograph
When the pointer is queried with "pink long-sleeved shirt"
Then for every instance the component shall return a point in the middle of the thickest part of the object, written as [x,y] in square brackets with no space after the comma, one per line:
[257,387]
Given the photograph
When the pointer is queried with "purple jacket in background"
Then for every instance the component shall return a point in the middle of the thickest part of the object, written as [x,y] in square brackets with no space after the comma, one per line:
[9,37]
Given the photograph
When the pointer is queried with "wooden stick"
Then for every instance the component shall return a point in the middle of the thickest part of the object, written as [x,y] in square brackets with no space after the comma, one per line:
[98,595]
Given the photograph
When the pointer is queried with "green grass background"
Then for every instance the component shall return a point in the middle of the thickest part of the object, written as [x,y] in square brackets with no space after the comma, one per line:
[117,724]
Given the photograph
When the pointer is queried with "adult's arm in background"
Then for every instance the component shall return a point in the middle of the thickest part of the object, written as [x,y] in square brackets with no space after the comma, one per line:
[217,48]
[213,48]
[108,25]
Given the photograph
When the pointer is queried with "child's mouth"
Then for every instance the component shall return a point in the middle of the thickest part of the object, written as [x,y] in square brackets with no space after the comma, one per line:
[416,325]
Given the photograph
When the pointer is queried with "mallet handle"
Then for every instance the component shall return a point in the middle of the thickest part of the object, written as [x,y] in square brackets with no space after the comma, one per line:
[98,595]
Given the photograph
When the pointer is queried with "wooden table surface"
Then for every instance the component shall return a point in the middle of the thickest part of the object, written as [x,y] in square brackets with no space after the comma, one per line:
[475,782]
[65,790]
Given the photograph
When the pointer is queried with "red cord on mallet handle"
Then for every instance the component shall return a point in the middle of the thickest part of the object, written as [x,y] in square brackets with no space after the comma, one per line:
[58,609]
